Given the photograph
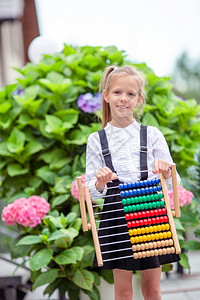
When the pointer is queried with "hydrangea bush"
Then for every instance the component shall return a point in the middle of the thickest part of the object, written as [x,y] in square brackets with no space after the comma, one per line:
[45,120]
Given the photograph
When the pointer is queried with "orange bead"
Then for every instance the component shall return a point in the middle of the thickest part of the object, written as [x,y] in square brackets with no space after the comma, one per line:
[134,248]
[135,255]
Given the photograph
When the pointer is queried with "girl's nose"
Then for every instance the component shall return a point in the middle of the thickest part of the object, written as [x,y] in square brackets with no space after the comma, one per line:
[123,98]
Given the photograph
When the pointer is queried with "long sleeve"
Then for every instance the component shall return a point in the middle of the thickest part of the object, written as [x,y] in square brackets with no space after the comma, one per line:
[94,162]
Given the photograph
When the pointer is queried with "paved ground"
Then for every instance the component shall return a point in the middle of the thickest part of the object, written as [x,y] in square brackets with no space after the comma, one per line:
[186,286]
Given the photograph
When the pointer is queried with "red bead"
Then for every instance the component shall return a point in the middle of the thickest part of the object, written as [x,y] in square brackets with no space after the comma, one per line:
[164,211]
[149,221]
[141,222]
[157,220]
[153,220]
[151,213]
[139,215]
[161,219]
[131,216]
[160,212]
[145,222]
[155,212]
[129,224]
[148,213]
[165,219]
[144,214]
[127,217]
[135,216]
[137,223]
[133,223]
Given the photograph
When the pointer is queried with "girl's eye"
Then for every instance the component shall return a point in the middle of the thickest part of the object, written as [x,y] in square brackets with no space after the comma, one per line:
[132,94]
[116,92]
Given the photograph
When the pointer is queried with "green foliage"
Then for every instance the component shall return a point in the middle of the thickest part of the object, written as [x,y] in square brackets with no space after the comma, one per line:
[43,135]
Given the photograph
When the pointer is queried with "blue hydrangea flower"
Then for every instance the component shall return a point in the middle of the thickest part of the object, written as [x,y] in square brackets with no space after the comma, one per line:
[90,103]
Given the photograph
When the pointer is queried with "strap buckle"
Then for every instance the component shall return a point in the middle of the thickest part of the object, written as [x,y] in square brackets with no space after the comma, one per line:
[105,152]
[143,149]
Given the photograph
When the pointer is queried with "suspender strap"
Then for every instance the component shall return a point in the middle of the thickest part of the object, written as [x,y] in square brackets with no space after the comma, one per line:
[105,150]
[143,151]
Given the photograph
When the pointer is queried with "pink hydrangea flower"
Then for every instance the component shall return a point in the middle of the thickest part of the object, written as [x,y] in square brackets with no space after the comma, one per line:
[27,212]
[185,196]
[74,188]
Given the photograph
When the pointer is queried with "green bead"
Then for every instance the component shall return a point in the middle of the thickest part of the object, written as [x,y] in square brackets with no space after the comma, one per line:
[128,201]
[162,203]
[135,200]
[152,197]
[150,205]
[142,206]
[132,200]
[156,196]
[130,208]
[134,207]
[146,206]
[138,206]
[160,196]
[144,198]
[125,209]
[154,204]
[148,197]
[124,201]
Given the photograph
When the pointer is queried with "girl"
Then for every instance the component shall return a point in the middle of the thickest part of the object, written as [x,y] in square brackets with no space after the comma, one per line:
[117,154]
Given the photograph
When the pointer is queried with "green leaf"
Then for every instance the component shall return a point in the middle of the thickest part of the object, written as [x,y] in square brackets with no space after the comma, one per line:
[32,148]
[184,261]
[29,240]
[84,279]
[191,245]
[45,174]
[56,235]
[71,217]
[45,277]
[149,119]
[16,169]
[16,141]
[66,257]
[59,200]
[41,259]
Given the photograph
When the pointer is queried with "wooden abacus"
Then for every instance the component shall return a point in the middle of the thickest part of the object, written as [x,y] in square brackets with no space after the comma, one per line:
[148,214]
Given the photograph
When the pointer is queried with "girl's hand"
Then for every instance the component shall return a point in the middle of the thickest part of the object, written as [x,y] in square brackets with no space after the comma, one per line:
[163,167]
[104,175]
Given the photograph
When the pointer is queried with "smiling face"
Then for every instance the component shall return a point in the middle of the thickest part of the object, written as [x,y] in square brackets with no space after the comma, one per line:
[123,96]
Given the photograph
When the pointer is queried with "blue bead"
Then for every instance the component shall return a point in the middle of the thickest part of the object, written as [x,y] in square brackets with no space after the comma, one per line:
[147,190]
[150,190]
[130,192]
[126,193]
[137,184]
[139,191]
[133,185]
[134,192]
[157,181]
[148,182]
[159,188]
[129,185]
[141,183]
[153,181]
[142,191]
[122,194]
[125,186]
[121,186]
[155,189]
[145,182]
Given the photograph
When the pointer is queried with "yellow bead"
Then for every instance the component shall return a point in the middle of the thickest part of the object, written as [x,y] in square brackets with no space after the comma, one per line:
[167,226]
[130,232]
[142,230]
[149,237]
[163,227]
[150,228]
[137,239]
[144,238]
[141,238]
[169,234]
[161,235]
[157,236]
[132,240]
[155,228]
[159,227]
[152,236]
[139,231]
[147,229]
[164,235]
[135,231]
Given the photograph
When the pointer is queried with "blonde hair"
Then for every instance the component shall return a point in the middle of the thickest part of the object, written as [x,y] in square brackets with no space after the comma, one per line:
[111,73]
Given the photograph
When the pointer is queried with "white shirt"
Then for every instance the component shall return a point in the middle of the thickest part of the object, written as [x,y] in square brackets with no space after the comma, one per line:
[124,146]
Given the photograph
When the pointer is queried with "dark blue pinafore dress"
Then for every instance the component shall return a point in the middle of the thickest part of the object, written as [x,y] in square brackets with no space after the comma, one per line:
[117,238]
